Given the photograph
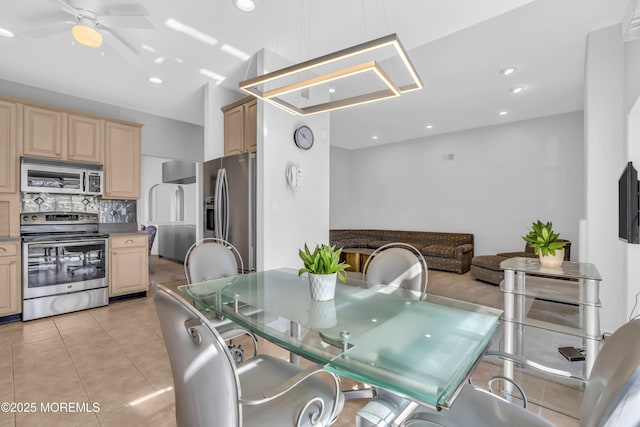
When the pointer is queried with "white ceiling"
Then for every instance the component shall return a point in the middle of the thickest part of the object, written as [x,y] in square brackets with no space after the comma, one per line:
[457,47]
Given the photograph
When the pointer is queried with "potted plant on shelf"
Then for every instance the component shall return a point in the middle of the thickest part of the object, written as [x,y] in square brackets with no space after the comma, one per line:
[545,244]
[323,266]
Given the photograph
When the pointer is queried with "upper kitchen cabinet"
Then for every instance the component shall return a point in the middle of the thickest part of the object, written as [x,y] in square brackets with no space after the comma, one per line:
[240,126]
[44,133]
[122,161]
[9,136]
[85,138]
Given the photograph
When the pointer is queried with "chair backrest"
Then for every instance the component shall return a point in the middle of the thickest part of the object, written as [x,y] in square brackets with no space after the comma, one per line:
[205,380]
[211,258]
[151,230]
[398,265]
[612,394]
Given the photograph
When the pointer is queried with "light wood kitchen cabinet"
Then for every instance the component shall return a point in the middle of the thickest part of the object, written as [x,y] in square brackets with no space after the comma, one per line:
[240,126]
[9,214]
[44,133]
[9,134]
[128,264]
[10,284]
[122,158]
[85,138]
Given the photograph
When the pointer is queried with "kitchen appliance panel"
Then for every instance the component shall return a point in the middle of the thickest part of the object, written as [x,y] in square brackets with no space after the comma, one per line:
[65,303]
[230,203]
[46,176]
[239,212]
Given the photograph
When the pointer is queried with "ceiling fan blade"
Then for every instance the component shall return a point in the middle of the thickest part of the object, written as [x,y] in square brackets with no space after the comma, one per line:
[48,30]
[122,40]
[67,7]
[126,21]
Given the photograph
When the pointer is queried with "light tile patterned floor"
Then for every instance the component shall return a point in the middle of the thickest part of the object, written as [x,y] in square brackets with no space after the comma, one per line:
[115,357]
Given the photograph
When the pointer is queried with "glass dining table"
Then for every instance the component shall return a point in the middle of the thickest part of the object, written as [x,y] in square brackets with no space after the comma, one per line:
[420,348]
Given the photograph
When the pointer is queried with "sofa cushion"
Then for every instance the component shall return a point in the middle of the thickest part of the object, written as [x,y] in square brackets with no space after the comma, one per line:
[492,262]
[439,251]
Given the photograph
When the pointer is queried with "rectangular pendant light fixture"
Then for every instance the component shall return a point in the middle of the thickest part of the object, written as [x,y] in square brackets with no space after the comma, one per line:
[280,84]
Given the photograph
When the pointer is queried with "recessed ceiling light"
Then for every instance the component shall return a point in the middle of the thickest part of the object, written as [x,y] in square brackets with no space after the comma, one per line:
[508,70]
[147,48]
[155,80]
[235,52]
[176,25]
[503,113]
[516,89]
[5,33]
[332,90]
[159,60]
[374,137]
[429,126]
[245,5]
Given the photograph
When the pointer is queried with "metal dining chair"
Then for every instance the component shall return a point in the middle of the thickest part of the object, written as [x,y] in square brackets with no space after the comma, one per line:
[397,265]
[611,395]
[212,258]
[210,389]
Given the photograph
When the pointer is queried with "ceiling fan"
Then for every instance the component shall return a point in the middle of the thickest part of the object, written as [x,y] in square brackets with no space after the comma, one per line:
[91,21]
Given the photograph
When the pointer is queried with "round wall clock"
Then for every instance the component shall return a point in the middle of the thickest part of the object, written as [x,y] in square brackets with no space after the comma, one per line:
[303,137]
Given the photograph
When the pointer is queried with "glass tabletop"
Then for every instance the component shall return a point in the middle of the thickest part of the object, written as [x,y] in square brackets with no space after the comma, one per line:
[568,269]
[422,349]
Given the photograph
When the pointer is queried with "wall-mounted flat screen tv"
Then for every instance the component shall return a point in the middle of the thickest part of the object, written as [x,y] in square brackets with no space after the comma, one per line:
[628,205]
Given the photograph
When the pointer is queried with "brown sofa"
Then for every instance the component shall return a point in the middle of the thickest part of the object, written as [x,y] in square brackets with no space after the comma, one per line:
[442,251]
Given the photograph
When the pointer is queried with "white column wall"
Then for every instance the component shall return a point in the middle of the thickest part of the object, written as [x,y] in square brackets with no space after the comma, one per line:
[605,159]
[632,147]
[287,219]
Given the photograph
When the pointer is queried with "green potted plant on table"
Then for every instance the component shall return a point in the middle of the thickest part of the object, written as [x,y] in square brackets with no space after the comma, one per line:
[323,266]
[545,244]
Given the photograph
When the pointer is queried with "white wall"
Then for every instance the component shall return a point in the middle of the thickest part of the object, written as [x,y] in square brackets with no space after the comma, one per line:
[501,179]
[289,219]
[632,146]
[605,159]
[160,136]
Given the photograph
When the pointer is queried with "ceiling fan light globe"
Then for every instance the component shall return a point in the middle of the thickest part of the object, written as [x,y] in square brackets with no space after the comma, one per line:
[245,5]
[87,35]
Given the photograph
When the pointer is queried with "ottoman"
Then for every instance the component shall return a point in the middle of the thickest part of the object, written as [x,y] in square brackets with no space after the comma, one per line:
[487,268]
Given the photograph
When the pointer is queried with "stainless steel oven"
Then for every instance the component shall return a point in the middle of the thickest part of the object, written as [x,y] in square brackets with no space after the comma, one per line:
[65,264]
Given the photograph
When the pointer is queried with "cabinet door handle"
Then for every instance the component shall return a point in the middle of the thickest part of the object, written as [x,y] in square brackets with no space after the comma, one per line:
[129,241]
[4,249]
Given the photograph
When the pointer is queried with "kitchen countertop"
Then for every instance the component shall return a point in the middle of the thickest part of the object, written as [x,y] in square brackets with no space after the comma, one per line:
[10,239]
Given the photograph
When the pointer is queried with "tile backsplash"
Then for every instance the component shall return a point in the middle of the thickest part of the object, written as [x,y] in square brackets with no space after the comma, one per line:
[118,211]
[111,211]
[45,202]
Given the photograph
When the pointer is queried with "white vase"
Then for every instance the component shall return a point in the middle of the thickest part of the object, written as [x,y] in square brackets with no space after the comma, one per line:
[322,286]
[552,261]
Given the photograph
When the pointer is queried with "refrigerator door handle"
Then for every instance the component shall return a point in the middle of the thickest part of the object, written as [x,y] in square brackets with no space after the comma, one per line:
[225,211]
[216,206]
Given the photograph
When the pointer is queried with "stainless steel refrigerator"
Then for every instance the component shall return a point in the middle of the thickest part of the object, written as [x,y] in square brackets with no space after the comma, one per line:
[229,185]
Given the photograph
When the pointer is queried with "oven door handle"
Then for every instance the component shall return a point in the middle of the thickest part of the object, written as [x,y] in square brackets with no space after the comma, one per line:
[67,243]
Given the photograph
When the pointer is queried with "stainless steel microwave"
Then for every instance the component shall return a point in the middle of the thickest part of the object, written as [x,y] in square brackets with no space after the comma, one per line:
[51,176]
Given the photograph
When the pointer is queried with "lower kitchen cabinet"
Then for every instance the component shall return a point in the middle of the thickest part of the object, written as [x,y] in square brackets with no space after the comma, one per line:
[128,264]
[10,284]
